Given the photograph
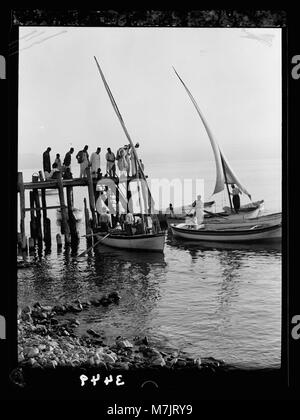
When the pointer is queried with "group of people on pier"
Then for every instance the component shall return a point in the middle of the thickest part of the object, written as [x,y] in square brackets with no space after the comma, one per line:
[124,159]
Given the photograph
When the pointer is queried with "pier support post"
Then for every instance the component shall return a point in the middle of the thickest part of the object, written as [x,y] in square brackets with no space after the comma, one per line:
[33,232]
[72,220]
[91,196]
[88,229]
[64,219]
[117,201]
[22,203]
[46,222]
[38,216]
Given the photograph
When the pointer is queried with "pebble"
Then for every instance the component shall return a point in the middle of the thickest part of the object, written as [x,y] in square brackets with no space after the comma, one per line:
[125,344]
[31,352]
[95,302]
[104,301]
[25,316]
[114,296]
[159,361]
[93,333]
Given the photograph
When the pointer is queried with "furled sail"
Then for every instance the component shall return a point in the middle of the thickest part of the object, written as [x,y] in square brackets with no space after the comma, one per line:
[223,169]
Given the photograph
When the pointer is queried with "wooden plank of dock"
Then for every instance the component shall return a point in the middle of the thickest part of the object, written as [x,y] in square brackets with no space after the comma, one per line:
[75,182]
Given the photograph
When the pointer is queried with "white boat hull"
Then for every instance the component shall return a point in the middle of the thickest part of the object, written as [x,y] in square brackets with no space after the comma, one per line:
[234,220]
[254,234]
[149,242]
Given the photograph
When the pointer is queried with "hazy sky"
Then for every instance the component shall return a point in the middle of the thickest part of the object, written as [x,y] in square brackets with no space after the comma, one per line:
[234,75]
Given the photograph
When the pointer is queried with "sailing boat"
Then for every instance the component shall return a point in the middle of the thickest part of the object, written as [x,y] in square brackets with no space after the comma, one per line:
[239,230]
[225,174]
[150,236]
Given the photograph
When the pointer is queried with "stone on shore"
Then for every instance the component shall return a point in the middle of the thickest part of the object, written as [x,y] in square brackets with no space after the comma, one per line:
[30,352]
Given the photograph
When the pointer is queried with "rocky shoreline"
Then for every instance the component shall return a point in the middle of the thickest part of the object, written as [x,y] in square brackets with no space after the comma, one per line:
[46,339]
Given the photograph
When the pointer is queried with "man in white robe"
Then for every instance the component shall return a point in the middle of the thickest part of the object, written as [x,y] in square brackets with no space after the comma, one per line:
[199,210]
[95,162]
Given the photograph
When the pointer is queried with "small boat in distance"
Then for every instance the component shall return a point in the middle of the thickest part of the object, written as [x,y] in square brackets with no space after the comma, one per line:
[254,233]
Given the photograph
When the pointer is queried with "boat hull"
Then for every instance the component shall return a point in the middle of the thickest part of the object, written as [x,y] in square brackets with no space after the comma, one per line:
[149,242]
[234,220]
[254,234]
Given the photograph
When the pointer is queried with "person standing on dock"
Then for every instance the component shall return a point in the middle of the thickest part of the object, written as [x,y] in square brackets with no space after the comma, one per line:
[95,162]
[110,163]
[83,159]
[68,158]
[236,198]
[47,163]
[58,162]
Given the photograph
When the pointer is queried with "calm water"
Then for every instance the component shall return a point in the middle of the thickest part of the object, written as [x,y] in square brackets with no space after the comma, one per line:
[204,299]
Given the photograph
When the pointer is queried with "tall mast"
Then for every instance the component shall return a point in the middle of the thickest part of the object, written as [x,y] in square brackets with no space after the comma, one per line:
[226,182]
[116,109]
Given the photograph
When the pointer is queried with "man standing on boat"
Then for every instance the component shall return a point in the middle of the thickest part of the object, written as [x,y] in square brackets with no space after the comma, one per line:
[47,162]
[105,221]
[199,210]
[95,162]
[110,163]
[236,198]
[67,159]
[170,210]
[129,220]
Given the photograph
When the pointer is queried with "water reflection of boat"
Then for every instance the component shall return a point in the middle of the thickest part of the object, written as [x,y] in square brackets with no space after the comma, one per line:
[141,257]
[220,234]
[190,245]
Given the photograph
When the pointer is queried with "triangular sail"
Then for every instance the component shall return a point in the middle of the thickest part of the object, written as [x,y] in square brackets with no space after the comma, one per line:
[230,176]
[220,176]
[113,102]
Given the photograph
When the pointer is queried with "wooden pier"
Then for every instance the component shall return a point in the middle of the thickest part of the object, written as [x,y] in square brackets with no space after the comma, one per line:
[40,224]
